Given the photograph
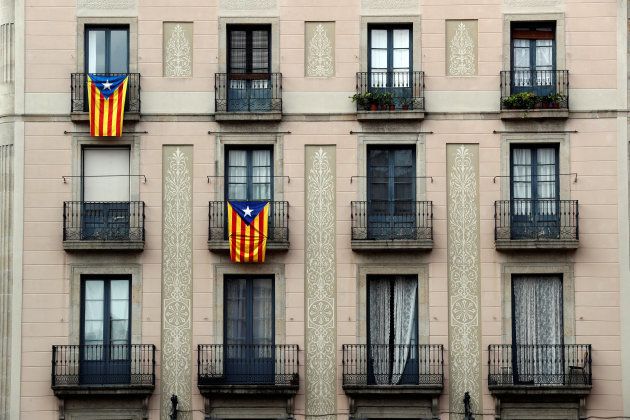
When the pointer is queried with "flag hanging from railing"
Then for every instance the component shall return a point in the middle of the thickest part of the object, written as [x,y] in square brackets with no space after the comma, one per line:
[248,223]
[106,97]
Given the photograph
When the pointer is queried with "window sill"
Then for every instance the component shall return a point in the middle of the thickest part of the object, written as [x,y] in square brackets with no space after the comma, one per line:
[127,390]
[248,116]
[413,114]
[522,244]
[579,390]
[534,114]
[80,246]
[392,245]
[428,390]
[85,116]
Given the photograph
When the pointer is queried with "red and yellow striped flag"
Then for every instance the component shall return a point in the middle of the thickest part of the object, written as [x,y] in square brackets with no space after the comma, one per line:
[106,97]
[248,223]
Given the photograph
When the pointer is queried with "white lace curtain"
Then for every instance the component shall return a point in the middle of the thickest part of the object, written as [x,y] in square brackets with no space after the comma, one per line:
[538,328]
[389,363]
[545,178]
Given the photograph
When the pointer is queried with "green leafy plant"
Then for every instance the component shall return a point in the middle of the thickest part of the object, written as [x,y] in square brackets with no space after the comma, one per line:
[553,100]
[406,103]
[521,100]
[363,100]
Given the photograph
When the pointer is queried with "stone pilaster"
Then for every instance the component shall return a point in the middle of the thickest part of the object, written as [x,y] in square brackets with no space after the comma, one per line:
[6,275]
[176,369]
[320,287]
[464,279]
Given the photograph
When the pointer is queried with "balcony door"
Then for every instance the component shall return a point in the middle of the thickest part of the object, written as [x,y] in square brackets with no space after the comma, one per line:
[249,68]
[391,192]
[535,192]
[105,333]
[105,208]
[392,330]
[107,49]
[249,330]
[389,60]
[533,58]
[537,330]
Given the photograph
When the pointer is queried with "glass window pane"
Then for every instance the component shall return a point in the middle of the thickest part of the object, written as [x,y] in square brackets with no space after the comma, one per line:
[401,59]
[261,157]
[96,51]
[262,307]
[94,290]
[93,332]
[379,38]
[401,38]
[119,289]
[260,39]
[119,53]
[119,309]
[379,60]
[236,311]
[93,310]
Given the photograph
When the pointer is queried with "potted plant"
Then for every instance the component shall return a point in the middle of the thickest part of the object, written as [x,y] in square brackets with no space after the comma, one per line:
[521,100]
[553,100]
[406,103]
[386,101]
[364,100]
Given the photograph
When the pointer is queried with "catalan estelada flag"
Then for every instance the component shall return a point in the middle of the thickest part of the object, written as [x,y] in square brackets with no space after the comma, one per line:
[248,223]
[106,96]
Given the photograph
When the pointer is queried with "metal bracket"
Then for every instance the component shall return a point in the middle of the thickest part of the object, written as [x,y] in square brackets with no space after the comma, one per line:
[66,177]
[261,176]
[573,174]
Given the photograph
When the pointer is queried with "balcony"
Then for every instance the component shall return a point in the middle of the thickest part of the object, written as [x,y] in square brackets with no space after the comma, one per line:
[373,369]
[536,224]
[543,369]
[242,369]
[114,370]
[390,225]
[110,226]
[248,96]
[277,230]
[79,98]
[390,96]
[534,94]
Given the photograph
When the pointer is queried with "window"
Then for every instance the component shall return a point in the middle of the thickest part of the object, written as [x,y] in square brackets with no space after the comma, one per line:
[105,332]
[105,206]
[249,329]
[392,330]
[391,176]
[537,317]
[390,58]
[249,174]
[107,49]
[249,68]
[533,57]
[534,191]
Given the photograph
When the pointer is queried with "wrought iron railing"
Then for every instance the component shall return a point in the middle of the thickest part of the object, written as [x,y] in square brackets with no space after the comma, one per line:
[277,228]
[79,92]
[539,365]
[542,220]
[116,364]
[404,364]
[392,220]
[403,90]
[248,364]
[103,221]
[248,92]
[535,89]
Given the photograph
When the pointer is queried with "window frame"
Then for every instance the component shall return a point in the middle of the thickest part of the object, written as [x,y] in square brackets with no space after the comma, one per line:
[533,26]
[534,176]
[106,278]
[108,28]
[391,184]
[248,28]
[249,149]
[83,147]
[250,278]
[390,27]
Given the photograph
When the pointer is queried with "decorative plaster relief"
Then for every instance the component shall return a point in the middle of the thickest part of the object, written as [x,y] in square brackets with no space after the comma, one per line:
[463,275]
[176,369]
[177,49]
[6,275]
[106,4]
[7,53]
[319,38]
[389,4]
[533,3]
[461,47]
[247,4]
[320,288]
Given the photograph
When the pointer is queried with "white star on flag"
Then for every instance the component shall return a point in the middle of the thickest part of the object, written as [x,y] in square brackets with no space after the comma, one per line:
[107,85]
[248,212]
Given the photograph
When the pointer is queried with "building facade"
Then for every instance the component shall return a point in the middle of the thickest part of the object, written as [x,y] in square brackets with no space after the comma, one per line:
[448,210]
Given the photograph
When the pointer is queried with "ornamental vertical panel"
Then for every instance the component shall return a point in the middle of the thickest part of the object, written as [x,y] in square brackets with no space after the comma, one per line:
[176,369]
[319,49]
[461,47]
[464,280]
[178,49]
[320,278]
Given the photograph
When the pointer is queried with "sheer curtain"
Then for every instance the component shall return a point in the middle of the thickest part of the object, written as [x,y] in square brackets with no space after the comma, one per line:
[237,175]
[380,310]
[522,180]
[388,364]
[538,328]
[546,181]
[522,72]
[544,62]
[261,175]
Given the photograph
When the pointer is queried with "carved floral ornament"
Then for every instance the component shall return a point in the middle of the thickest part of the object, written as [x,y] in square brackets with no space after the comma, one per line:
[178,54]
[106,4]
[320,61]
[462,59]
